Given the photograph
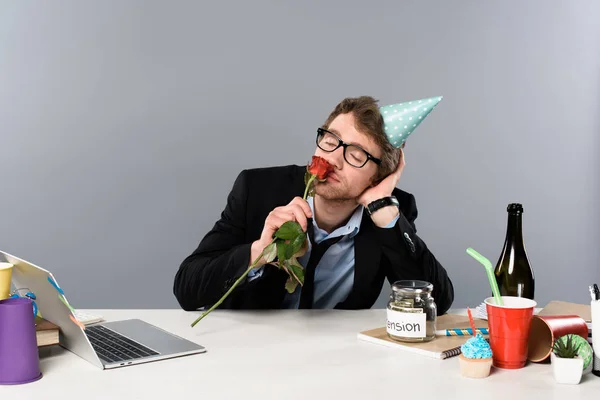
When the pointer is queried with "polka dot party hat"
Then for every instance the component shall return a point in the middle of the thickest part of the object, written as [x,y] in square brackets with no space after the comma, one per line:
[400,120]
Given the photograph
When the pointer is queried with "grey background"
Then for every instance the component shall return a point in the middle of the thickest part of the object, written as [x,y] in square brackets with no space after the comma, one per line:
[124,124]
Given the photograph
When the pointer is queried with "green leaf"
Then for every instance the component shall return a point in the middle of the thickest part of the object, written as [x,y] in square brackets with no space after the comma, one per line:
[297,270]
[284,251]
[270,252]
[289,230]
[565,349]
[297,243]
[288,251]
[286,267]
[281,251]
[291,284]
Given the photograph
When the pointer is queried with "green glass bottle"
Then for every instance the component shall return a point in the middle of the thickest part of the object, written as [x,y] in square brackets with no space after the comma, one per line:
[513,271]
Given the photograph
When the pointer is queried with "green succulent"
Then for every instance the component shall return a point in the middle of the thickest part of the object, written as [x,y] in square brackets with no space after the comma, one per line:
[565,349]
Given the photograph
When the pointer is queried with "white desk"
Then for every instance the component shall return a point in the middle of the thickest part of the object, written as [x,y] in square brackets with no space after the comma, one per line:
[283,355]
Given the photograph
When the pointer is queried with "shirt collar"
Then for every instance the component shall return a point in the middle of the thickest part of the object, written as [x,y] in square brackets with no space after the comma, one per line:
[350,229]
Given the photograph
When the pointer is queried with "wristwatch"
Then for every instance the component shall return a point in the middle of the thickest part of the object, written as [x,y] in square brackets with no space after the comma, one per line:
[383,202]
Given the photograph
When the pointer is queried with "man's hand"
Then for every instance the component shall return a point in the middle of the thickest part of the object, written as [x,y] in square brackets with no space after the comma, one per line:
[296,210]
[384,215]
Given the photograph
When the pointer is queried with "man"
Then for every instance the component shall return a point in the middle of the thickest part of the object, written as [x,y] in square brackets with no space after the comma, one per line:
[358,212]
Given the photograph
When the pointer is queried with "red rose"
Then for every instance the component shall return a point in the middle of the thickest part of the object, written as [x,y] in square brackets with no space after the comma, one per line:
[286,239]
[320,167]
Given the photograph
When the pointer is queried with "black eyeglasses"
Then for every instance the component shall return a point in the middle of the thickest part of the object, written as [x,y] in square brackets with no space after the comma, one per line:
[353,154]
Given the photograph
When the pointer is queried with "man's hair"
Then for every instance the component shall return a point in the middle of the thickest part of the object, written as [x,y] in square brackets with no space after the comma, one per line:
[369,121]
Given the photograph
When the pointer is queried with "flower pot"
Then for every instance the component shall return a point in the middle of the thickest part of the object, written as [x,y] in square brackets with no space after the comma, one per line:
[567,370]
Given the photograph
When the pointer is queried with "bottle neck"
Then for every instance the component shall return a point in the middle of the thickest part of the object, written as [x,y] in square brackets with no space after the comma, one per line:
[514,230]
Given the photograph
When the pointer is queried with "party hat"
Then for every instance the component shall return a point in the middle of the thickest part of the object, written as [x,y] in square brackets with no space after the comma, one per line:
[400,120]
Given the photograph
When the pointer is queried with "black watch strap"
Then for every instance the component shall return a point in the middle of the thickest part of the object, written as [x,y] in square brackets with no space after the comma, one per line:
[383,202]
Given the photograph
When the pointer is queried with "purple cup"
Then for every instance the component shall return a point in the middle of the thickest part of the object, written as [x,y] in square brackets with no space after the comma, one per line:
[19,357]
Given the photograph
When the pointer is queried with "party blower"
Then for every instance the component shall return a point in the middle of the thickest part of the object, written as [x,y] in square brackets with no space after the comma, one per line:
[19,358]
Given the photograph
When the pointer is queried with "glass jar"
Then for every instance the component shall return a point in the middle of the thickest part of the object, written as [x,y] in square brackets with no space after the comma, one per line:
[411,312]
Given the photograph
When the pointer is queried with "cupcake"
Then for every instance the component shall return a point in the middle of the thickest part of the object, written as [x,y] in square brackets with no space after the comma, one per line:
[476,358]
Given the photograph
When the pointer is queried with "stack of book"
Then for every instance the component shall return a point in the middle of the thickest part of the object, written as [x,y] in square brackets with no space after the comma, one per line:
[46,333]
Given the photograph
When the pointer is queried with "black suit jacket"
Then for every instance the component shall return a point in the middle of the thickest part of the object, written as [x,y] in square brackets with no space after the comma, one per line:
[224,253]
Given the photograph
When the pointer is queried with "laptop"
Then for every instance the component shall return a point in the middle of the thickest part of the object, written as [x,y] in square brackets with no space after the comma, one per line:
[106,345]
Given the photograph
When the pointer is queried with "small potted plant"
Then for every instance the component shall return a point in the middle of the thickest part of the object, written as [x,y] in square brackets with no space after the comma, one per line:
[566,362]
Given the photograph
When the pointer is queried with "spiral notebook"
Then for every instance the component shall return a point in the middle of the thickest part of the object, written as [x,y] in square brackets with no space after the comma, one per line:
[441,347]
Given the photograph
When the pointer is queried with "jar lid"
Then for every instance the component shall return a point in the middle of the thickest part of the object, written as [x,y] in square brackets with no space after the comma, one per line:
[412,287]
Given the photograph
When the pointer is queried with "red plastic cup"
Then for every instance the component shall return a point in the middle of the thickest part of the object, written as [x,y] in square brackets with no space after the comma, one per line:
[509,327]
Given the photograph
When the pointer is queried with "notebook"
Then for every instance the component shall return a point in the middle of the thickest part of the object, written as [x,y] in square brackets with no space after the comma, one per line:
[441,347]
[584,311]
[563,308]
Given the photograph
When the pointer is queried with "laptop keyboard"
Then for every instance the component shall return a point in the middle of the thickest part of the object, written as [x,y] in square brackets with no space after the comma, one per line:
[114,347]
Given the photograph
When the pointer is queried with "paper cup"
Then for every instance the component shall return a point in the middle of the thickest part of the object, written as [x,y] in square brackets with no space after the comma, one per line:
[546,329]
[19,358]
[509,327]
[5,278]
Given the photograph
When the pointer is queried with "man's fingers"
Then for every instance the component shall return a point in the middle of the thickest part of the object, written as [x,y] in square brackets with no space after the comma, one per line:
[275,221]
[284,216]
[303,204]
[401,163]
[297,210]
[293,213]
[299,215]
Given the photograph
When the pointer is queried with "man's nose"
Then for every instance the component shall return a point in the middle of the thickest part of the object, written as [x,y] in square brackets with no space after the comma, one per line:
[336,157]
